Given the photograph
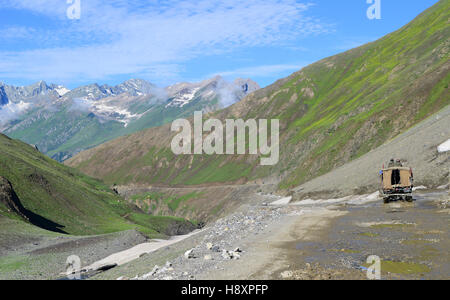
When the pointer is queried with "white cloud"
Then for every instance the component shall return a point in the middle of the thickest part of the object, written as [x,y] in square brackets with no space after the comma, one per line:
[81,105]
[53,8]
[11,111]
[120,37]
[265,70]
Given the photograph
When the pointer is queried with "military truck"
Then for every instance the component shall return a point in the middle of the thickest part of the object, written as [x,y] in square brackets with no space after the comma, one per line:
[397,183]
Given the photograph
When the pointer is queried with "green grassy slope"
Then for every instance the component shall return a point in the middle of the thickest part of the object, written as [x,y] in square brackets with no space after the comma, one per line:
[330,112]
[64,131]
[74,203]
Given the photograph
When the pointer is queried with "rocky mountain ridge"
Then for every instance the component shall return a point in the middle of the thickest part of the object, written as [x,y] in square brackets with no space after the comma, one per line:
[63,122]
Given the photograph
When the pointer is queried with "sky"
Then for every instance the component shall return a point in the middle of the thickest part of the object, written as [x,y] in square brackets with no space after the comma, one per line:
[165,42]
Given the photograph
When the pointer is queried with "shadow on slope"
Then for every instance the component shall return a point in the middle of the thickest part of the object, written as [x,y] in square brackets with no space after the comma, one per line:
[9,198]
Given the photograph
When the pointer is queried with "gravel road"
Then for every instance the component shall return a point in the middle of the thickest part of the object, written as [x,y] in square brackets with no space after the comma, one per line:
[328,239]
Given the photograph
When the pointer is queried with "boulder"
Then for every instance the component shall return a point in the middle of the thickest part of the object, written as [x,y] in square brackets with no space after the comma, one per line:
[190,254]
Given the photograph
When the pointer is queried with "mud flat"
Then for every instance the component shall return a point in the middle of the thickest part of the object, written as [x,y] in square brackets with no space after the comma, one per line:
[411,240]
[333,241]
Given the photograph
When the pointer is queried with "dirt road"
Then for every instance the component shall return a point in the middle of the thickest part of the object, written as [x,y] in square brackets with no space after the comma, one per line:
[328,239]
[334,242]
[267,253]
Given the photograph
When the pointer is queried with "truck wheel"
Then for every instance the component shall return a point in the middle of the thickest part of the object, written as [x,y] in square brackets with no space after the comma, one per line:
[409,198]
[386,200]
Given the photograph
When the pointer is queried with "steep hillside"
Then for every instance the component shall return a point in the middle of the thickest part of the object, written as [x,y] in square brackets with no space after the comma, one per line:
[330,113]
[40,191]
[417,148]
[62,122]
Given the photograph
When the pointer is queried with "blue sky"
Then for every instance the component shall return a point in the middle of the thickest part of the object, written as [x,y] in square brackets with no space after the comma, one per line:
[171,41]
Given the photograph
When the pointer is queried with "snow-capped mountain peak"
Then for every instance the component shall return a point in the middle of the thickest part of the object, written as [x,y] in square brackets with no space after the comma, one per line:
[109,110]
[227,93]
[132,87]
[183,97]
[61,90]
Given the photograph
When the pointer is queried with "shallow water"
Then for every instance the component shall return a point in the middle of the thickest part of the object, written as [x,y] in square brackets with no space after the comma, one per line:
[411,239]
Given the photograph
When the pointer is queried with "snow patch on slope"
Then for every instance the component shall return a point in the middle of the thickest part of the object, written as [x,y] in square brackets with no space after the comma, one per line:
[281,202]
[104,109]
[116,112]
[61,90]
[445,147]
[181,99]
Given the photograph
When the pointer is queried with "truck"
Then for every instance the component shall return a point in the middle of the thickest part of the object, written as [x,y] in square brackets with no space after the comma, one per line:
[397,184]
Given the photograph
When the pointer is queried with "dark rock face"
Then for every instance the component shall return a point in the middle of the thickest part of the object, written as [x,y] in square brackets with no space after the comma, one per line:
[3,98]
[62,156]
[9,198]
[247,86]
[38,88]
[180,228]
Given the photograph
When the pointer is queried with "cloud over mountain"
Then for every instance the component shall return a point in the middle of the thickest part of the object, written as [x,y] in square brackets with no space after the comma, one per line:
[127,37]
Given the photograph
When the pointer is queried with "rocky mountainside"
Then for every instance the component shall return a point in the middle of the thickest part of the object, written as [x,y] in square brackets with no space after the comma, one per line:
[3,97]
[417,148]
[331,112]
[183,93]
[62,122]
[9,199]
[30,93]
[132,87]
